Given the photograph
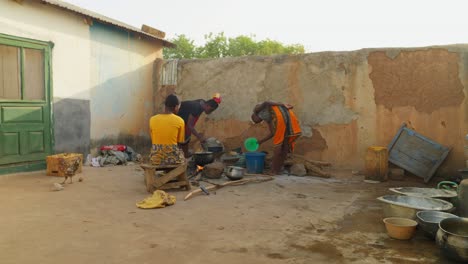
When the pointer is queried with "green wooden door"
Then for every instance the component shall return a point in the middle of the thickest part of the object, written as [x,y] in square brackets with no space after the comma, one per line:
[26,135]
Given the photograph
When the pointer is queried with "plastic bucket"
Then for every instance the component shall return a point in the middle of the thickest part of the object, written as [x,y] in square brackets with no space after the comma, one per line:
[255,161]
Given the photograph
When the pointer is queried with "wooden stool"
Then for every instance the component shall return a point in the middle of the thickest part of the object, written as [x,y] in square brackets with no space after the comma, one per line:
[175,177]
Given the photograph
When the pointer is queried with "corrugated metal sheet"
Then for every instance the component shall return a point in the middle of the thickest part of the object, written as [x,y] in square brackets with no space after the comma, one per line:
[169,72]
[104,19]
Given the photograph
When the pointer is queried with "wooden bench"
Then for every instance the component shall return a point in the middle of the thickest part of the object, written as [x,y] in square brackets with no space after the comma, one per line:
[175,177]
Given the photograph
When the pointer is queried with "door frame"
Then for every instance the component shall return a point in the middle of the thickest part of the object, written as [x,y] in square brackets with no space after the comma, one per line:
[46,47]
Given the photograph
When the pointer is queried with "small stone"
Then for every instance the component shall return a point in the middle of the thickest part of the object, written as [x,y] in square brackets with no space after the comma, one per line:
[80,179]
[57,187]
[220,228]
[298,169]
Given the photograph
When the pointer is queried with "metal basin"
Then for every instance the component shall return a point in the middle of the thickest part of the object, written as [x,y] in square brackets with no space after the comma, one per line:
[452,238]
[429,221]
[230,160]
[424,192]
[234,173]
[408,206]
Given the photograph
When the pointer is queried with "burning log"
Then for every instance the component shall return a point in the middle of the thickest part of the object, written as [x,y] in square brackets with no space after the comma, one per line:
[196,176]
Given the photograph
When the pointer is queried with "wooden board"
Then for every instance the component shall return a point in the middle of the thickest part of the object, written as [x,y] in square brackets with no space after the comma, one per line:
[152,31]
[175,177]
[416,153]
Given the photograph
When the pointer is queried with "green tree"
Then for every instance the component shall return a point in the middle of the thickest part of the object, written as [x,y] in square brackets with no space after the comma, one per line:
[270,47]
[185,49]
[294,49]
[242,46]
[218,46]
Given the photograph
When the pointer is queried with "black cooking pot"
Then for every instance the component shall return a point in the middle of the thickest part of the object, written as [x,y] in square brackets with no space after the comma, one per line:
[203,158]
[452,238]
[215,149]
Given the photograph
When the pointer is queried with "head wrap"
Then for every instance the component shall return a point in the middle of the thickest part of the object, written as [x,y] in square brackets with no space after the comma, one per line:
[217,98]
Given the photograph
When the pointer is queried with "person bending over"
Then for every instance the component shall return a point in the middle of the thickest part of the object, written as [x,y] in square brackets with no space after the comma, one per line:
[283,126]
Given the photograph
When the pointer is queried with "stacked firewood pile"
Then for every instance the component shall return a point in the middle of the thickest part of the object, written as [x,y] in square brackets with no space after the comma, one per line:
[301,166]
[313,167]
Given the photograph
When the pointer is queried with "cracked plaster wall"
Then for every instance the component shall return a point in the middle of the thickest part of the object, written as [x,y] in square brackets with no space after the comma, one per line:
[346,101]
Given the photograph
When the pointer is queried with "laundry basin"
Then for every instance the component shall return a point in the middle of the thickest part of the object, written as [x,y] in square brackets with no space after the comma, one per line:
[408,206]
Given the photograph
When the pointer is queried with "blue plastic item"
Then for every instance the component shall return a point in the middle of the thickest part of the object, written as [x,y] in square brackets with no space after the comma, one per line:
[255,162]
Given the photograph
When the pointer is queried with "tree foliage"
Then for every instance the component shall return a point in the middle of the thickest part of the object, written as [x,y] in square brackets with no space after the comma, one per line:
[219,46]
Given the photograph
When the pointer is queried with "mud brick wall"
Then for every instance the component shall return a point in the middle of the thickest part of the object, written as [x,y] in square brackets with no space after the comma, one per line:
[346,101]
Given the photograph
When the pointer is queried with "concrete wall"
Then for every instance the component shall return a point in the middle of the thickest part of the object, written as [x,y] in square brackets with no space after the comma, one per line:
[346,101]
[102,75]
[122,80]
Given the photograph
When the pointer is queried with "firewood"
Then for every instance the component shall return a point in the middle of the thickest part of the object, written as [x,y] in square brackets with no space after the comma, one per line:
[314,162]
[311,168]
[316,171]
[233,183]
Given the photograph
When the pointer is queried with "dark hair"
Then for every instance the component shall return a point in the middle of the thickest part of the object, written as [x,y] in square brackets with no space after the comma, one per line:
[212,103]
[172,101]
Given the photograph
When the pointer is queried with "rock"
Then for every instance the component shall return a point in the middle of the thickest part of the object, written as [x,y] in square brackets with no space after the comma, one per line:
[213,170]
[57,187]
[298,169]
[80,179]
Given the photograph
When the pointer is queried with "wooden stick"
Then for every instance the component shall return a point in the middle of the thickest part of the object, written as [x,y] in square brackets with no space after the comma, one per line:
[316,171]
[233,183]
[314,162]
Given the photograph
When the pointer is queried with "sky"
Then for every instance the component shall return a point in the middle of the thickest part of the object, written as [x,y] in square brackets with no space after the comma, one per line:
[327,25]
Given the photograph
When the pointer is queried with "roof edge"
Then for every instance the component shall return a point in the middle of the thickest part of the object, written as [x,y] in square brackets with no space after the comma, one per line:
[106,20]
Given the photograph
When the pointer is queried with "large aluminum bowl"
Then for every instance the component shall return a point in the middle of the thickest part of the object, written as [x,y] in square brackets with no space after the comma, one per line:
[407,206]
[429,221]
[452,238]
[424,192]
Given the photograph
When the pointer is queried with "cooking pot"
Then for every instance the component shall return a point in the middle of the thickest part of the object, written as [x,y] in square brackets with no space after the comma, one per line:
[452,238]
[213,145]
[234,173]
[203,158]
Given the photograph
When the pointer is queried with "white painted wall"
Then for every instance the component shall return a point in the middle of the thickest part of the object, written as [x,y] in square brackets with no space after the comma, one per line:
[103,64]
[68,32]
[122,81]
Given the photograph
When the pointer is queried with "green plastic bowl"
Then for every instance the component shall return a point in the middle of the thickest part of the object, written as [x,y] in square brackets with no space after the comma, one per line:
[251,144]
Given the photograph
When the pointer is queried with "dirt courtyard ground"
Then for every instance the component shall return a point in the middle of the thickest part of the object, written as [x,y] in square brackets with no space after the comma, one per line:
[288,220]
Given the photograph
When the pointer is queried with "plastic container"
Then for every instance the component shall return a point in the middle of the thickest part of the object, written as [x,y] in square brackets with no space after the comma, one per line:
[376,163]
[400,228]
[255,162]
[251,144]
